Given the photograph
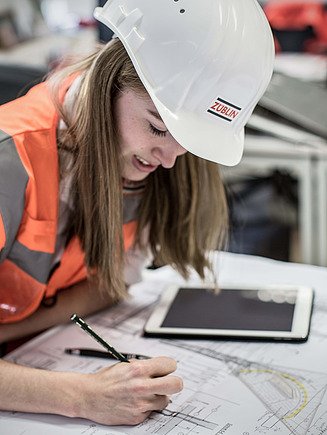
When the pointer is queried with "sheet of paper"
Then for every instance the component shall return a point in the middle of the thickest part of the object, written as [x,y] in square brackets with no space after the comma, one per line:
[233,388]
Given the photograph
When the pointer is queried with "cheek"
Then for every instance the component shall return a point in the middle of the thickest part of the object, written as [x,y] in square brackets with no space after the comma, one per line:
[134,138]
[126,134]
[130,142]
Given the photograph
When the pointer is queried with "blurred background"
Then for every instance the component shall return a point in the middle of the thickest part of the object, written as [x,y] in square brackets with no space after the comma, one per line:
[278,194]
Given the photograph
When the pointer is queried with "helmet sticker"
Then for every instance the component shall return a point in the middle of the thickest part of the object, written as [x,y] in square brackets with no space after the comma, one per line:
[224,109]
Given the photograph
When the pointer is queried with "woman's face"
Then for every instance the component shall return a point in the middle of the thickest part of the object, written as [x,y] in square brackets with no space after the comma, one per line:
[145,142]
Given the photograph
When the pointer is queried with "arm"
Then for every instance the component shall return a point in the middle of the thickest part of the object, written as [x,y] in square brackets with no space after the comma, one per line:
[82,298]
[125,393]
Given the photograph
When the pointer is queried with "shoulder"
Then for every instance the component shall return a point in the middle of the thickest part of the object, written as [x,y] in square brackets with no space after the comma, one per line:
[32,112]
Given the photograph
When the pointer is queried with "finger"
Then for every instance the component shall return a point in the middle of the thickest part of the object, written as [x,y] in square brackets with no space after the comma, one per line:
[152,403]
[138,418]
[166,385]
[149,404]
[154,367]
[159,403]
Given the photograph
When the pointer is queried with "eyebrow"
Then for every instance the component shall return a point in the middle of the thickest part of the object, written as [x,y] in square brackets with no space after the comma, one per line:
[155,114]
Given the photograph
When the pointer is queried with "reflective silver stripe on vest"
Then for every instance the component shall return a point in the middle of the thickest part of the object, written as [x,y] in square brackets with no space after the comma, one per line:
[36,264]
[13,180]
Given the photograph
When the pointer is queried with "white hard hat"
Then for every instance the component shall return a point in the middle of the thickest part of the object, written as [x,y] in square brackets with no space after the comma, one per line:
[204,63]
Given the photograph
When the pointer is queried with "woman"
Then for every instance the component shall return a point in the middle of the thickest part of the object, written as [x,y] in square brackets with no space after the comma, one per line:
[95,172]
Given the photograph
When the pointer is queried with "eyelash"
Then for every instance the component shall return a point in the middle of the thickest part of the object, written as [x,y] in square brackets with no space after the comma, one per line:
[157,132]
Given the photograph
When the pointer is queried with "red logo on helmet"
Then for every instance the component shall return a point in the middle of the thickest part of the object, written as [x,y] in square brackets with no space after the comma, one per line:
[225,110]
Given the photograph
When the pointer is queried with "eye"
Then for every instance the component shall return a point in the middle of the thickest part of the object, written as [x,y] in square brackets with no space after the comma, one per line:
[156,132]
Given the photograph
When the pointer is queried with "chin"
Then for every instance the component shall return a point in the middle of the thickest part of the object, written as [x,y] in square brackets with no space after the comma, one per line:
[135,177]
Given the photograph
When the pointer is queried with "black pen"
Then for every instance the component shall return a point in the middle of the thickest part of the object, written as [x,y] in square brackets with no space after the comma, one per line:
[82,324]
[100,354]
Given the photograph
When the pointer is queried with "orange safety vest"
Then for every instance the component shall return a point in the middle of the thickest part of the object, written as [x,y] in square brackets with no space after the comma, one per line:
[29,198]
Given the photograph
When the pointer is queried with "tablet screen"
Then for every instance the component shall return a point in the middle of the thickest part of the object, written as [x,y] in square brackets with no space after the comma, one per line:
[256,310]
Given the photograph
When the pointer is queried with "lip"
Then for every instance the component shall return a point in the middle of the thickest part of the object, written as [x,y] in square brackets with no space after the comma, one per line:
[138,165]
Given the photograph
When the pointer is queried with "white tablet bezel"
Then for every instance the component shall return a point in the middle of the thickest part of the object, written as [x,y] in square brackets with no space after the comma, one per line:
[300,324]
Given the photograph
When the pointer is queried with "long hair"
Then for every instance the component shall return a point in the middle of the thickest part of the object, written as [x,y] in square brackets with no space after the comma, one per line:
[183,209]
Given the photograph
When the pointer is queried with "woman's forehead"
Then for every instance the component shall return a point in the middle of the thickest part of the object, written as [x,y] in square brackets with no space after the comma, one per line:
[140,101]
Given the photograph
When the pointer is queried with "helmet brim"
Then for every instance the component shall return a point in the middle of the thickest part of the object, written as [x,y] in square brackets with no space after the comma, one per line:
[202,137]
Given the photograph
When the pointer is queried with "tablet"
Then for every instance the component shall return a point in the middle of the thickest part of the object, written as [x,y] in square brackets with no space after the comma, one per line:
[279,312]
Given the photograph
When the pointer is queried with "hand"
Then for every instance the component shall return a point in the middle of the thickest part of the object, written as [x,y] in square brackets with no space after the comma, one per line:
[127,393]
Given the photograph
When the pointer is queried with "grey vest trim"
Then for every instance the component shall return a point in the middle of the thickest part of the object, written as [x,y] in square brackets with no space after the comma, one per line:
[36,264]
[13,181]
[131,203]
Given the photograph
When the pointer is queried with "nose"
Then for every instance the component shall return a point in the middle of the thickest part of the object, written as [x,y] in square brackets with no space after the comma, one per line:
[168,153]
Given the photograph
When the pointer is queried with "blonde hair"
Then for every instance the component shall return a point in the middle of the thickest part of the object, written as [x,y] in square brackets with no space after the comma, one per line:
[183,208]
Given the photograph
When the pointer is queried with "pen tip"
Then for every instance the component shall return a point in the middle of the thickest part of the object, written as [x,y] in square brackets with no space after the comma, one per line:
[68,351]
[73,316]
